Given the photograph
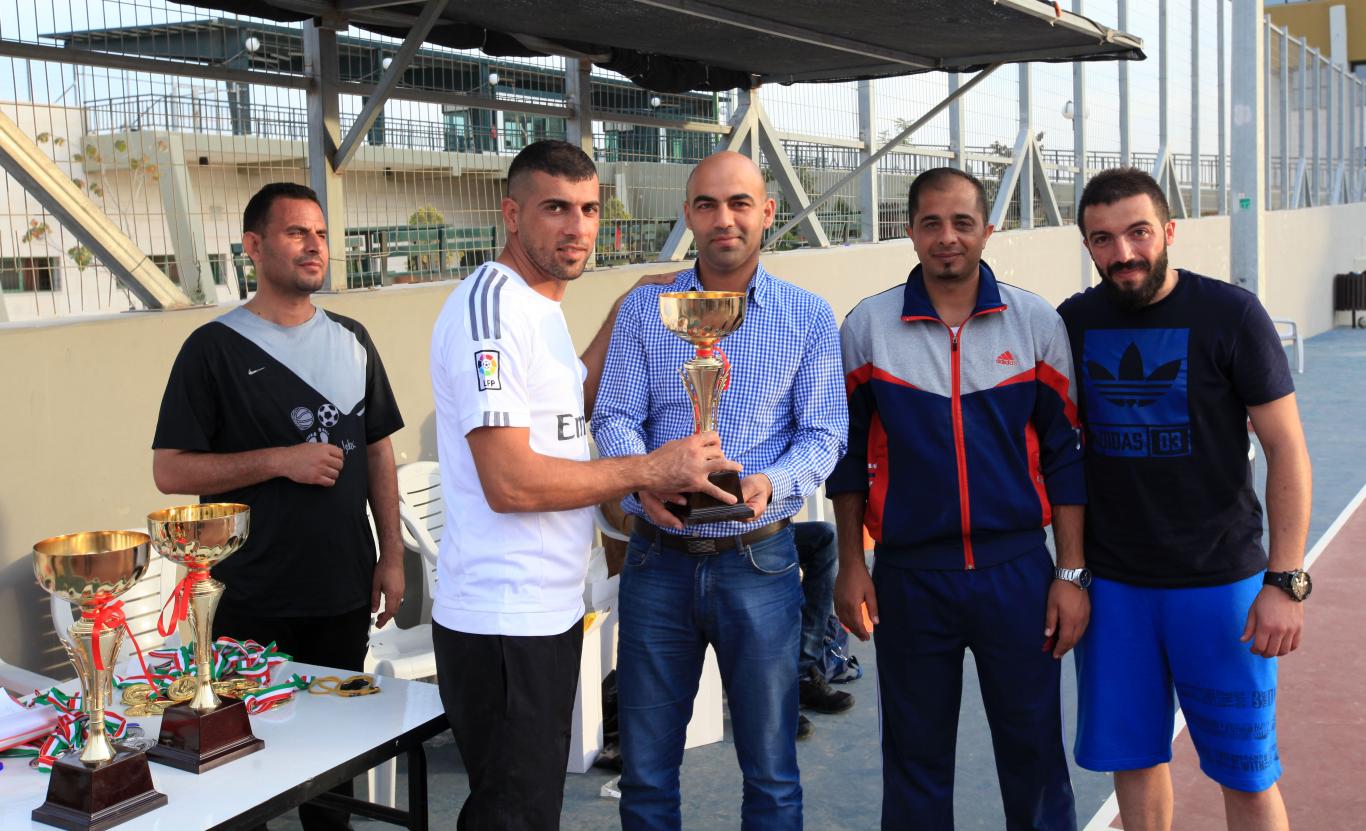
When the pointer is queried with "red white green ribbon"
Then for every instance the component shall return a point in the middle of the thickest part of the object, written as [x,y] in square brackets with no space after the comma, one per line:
[69,734]
[264,699]
[247,659]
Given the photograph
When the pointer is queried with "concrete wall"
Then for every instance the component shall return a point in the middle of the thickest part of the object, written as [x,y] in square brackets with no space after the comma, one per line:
[81,397]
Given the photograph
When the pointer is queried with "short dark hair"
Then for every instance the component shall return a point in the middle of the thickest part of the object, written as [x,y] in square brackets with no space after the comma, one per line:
[1109,186]
[258,207]
[935,179]
[554,157]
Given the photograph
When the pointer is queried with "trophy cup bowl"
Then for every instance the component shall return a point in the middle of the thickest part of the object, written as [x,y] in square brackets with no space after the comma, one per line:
[105,783]
[204,732]
[702,318]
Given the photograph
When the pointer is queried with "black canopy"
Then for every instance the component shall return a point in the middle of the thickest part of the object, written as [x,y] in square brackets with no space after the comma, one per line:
[680,45]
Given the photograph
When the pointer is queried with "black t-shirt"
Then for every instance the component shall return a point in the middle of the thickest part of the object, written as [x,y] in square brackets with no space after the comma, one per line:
[1164,392]
[242,383]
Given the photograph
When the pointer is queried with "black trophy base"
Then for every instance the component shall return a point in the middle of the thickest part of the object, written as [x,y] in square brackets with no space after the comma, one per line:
[84,797]
[702,509]
[197,742]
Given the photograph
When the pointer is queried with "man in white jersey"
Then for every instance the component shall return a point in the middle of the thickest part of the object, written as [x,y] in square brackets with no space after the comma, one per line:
[517,482]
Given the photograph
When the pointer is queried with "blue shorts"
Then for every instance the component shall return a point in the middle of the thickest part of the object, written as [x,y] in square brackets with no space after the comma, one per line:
[1147,648]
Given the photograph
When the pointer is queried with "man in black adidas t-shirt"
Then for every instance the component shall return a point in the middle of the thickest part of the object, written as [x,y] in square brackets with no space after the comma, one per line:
[1170,367]
[286,407]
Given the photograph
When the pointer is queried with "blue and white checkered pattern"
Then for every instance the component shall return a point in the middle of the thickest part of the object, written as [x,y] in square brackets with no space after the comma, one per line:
[785,414]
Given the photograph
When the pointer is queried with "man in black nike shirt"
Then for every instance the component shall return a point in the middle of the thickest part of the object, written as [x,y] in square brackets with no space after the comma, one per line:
[286,407]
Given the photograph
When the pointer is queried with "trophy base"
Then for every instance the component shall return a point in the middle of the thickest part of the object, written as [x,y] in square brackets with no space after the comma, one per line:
[197,742]
[702,509]
[84,797]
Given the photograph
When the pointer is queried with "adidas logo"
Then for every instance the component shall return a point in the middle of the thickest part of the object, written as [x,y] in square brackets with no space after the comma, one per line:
[1007,359]
[1132,386]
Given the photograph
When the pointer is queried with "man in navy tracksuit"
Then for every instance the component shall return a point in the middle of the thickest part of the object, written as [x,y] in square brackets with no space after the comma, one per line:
[963,446]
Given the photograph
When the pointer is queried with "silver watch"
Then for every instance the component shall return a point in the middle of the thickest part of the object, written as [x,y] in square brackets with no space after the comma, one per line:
[1079,577]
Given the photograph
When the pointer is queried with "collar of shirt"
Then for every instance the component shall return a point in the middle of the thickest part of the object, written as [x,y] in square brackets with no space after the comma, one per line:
[918,306]
[758,288]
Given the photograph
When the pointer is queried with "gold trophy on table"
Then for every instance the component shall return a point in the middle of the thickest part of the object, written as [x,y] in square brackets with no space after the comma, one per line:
[702,318]
[105,783]
[206,731]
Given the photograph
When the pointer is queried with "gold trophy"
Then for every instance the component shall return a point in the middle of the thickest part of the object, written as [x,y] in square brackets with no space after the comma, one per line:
[702,318]
[204,732]
[106,783]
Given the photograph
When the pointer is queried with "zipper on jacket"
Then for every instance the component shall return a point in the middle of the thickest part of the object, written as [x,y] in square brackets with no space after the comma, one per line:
[959,445]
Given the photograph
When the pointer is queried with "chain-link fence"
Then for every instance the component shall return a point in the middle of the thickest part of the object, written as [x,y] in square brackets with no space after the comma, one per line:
[172,155]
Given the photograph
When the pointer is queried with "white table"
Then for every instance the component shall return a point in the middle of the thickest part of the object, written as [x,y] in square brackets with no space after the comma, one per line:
[313,744]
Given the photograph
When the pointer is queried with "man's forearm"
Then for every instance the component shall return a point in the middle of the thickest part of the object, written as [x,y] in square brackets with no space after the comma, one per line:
[849,513]
[552,484]
[1288,499]
[383,497]
[1068,522]
[187,472]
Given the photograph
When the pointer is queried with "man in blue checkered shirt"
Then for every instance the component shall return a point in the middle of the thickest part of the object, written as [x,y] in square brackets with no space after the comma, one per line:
[733,585]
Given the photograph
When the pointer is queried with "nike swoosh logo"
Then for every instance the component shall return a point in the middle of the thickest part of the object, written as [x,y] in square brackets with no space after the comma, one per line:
[254,371]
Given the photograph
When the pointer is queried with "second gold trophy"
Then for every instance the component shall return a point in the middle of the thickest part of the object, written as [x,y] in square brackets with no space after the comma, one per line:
[702,318]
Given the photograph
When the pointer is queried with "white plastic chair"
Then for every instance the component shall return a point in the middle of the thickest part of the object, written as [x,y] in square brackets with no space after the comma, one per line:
[408,653]
[1289,332]
[607,529]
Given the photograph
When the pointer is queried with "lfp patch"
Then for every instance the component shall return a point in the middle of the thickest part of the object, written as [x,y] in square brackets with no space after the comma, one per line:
[486,369]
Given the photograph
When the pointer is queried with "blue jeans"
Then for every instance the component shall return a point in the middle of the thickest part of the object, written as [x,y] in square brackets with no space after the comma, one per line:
[819,558]
[746,603]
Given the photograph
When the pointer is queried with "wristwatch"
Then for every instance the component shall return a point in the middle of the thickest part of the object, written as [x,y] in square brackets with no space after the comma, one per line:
[1079,577]
[1294,583]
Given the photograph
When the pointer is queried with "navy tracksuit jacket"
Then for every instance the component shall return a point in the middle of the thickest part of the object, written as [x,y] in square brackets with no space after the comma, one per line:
[962,442]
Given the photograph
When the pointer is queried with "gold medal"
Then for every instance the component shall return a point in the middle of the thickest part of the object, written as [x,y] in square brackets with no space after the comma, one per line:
[137,694]
[182,689]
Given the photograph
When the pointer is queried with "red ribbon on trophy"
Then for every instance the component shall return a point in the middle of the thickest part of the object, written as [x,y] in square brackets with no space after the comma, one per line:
[108,614]
[180,597]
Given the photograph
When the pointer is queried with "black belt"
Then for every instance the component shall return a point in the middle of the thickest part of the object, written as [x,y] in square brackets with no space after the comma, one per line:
[701,546]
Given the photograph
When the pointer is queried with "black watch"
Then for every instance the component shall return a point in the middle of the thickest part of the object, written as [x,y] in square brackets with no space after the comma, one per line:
[1294,583]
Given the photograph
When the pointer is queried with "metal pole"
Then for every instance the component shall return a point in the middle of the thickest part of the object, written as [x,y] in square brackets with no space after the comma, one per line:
[1195,109]
[1249,144]
[324,138]
[1300,181]
[1163,77]
[1315,180]
[1222,85]
[578,95]
[1125,146]
[1025,194]
[1283,110]
[868,195]
[1266,110]
[957,126]
[1333,136]
[1079,133]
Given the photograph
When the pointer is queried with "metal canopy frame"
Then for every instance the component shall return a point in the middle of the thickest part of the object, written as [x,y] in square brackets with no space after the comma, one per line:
[551,35]
[751,130]
[886,148]
[21,157]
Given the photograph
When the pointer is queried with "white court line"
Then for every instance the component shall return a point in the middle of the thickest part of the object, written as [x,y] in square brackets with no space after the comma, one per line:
[1109,811]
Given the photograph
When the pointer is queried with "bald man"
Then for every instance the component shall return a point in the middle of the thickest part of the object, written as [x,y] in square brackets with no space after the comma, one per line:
[733,585]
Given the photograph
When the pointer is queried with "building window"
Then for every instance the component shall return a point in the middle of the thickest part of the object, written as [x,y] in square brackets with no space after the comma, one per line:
[30,274]
[167,264]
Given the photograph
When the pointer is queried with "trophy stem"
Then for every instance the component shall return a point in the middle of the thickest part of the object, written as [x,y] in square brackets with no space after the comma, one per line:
[705,379]
[204,597]
[96,677]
